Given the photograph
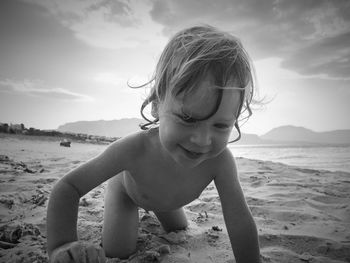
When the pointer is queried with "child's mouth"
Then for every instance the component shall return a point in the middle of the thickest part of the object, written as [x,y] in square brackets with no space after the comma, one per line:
[192,154]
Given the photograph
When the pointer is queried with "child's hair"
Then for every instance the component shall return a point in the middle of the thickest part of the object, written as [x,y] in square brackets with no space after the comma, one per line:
[189,56]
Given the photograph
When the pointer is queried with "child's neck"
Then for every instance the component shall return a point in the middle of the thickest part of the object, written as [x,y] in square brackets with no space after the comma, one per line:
[160,152]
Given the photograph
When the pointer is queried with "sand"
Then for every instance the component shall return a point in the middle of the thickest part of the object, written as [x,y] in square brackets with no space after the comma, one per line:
[302,215]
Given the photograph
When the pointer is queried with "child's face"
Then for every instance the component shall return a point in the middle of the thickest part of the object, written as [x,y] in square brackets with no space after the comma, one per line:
[191,142]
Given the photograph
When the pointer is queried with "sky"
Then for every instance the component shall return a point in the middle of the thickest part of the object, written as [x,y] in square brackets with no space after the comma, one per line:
[64,61]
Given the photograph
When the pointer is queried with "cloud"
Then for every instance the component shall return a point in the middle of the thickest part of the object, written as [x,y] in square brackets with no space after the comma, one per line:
[71,11]
[107,24]
[116,11]
[39,89]
[35,44]
[328,56]
[271,28]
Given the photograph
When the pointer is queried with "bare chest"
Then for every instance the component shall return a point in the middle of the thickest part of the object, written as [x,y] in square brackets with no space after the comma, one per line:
[159,190]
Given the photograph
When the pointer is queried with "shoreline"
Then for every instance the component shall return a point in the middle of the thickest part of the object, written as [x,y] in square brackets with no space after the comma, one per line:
[83,139]
[59,136]
[305,169]
[302,215]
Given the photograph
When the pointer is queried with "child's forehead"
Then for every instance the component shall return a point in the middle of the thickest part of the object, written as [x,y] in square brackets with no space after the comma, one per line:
[203,101]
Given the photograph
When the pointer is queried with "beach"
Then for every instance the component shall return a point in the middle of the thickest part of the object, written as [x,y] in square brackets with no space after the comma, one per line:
[302,215]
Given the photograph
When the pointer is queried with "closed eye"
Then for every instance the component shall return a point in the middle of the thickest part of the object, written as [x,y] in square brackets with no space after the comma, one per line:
[222,126]
[187,118]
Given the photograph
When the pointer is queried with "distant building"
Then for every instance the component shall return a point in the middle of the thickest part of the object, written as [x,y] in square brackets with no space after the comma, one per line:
[16,128]
[4,127]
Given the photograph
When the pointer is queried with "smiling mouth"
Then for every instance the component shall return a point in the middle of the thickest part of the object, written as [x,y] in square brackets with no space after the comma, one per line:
[192,154]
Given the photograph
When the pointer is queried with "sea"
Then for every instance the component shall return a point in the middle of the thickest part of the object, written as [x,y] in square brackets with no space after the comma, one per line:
[318,157]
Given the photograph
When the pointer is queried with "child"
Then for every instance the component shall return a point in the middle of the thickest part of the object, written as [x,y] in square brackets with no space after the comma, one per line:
[202,84]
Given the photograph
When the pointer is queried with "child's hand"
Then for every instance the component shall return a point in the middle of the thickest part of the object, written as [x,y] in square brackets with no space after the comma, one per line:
[78,252]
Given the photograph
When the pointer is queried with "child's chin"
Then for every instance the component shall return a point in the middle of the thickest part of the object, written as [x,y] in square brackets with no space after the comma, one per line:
[188,163]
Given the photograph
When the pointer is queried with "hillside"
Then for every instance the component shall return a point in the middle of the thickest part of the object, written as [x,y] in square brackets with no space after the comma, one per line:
[112,128]
[122,127]
[301,134]
[251,139]
[284,134]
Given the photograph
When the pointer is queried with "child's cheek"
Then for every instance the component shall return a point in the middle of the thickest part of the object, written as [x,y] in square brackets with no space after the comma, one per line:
[167,133]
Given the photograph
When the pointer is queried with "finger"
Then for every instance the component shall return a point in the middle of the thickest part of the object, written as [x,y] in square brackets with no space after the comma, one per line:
[70,255]
[83,254]
[101,255]
[77,252]
[91,254]
[95,254]
[63,257]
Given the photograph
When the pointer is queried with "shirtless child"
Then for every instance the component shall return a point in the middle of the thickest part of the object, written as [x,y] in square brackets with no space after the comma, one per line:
[202,84]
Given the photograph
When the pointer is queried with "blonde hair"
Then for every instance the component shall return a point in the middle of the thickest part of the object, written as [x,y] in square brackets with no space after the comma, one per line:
[189,56]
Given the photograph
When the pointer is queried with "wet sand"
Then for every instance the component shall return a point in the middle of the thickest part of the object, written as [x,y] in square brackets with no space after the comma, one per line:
[302,215]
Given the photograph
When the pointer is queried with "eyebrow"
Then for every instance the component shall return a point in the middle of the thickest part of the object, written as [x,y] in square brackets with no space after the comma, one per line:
[201,119]
[216,107]
[228,120]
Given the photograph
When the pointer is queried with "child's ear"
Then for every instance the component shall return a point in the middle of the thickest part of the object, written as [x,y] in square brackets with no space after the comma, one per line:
[155,109]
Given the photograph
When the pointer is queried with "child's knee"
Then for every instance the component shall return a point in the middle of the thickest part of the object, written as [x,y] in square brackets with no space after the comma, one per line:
[122,251]
[173,220]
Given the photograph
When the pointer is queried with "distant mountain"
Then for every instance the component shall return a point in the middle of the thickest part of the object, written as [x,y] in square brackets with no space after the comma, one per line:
[122,127]
[247,138]
[112,128]
[300,134]
[283,134]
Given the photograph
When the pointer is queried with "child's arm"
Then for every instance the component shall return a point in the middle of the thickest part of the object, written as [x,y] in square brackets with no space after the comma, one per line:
[239,221]
[64,199]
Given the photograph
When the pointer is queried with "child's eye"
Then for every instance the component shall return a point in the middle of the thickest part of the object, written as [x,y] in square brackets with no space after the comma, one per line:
[186,118]
[222,126]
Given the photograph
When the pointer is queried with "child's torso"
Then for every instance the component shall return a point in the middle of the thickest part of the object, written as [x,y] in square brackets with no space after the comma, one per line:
[159,184]
[157,190]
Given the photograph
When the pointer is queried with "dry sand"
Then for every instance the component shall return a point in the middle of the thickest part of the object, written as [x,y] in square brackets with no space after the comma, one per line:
[302,215]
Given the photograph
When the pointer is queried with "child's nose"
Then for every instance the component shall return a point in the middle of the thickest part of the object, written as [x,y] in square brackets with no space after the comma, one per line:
[201,137]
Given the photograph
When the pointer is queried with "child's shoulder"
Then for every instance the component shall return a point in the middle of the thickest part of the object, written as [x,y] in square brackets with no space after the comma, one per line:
[224,160]
[133,140]
[226,157]
[135,143]
[227,167]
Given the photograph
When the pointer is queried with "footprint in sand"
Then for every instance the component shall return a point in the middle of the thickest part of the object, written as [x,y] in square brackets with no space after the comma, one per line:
[257,181]
[304,248]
